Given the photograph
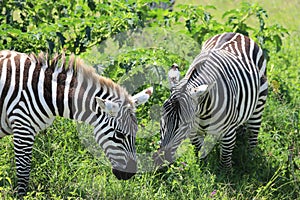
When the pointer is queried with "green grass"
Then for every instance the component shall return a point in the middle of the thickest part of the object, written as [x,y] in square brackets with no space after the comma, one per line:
[62,168]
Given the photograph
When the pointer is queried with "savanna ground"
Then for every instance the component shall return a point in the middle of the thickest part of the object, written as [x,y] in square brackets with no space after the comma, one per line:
[62,168]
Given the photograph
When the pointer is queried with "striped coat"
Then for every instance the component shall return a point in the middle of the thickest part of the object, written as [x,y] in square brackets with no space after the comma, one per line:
[225,88]
[35,89]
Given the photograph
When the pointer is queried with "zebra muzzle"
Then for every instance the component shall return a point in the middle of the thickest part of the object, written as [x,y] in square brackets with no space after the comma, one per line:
[162,157]
[128,172]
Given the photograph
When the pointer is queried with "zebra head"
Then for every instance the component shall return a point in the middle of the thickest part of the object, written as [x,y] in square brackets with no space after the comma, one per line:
[117,136]
[178,114]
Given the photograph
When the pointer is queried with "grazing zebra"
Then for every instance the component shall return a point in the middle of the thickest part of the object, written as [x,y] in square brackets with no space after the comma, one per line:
[35,89]
[224,89]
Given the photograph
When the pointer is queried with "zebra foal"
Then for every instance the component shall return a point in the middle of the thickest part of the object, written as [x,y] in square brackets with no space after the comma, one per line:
[35,89]
[225,88]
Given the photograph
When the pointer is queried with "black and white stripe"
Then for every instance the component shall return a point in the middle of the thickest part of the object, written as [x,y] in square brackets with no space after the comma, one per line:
[35,89]
[225,88]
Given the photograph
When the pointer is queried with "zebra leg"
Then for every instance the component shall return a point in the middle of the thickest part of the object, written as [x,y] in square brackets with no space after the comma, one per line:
[196,140]
[23,143]
[253,127]
[254,122]
[227,145]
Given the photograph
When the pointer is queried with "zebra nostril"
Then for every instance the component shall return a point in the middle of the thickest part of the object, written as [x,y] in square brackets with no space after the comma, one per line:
[131,166]
[168,155]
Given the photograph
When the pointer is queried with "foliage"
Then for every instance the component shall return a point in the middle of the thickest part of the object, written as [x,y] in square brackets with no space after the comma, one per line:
[62,168]
[236,19]
[201,24]
[72,25]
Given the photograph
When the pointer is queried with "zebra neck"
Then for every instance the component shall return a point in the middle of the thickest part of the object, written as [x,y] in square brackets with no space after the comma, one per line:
[58,90]
[70,92]
[74,93]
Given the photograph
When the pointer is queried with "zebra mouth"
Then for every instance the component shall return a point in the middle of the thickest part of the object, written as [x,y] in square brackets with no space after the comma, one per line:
[162,156]
[121,175]
[128,172]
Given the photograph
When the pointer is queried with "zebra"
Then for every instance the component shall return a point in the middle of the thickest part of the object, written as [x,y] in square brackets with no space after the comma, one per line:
[224,89]
[36,89]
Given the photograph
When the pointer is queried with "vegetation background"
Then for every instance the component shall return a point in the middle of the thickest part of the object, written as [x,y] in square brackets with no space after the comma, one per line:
[62,168]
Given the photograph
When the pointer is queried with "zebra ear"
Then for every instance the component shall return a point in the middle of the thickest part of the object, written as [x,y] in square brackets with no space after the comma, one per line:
[143,96]
[200,90]
[108,106]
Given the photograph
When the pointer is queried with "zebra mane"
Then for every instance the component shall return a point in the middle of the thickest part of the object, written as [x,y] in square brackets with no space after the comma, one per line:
[78,66]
